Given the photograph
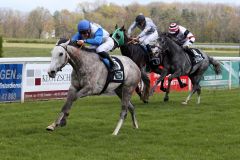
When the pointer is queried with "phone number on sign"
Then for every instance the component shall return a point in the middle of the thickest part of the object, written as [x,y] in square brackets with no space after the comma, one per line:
[8,96]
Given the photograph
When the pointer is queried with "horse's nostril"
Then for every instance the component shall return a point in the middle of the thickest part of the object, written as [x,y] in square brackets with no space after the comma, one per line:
[52,72]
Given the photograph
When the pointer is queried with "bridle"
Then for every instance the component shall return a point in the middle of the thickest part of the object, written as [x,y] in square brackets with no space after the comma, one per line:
[67,58]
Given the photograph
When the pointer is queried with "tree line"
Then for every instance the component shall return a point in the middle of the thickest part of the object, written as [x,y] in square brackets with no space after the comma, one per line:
[208,22]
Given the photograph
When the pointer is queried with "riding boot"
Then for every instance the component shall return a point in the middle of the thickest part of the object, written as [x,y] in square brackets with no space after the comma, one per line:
[149,50]
[106,55]
[191,54]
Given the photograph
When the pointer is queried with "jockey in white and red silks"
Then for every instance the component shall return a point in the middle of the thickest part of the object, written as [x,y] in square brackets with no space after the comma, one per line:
[184,36]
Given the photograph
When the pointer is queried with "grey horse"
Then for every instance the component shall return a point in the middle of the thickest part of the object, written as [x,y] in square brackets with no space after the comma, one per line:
[88,78]
[177,63]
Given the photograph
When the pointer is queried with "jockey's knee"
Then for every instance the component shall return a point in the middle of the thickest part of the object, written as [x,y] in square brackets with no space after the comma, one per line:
[145,43]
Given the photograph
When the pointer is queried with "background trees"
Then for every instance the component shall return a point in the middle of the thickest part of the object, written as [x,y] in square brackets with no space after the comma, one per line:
[209,22]
[39,21]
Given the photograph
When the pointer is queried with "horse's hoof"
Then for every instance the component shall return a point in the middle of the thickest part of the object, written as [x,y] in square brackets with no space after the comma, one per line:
[145,101]
[185,103]
[114,134]
[163,89]
[50,128]
[135,127]
[165,99]
[151,93]
[183,85]
[63,122]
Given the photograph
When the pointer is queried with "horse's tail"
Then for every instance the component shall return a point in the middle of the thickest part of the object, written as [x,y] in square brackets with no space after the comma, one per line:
[216,65]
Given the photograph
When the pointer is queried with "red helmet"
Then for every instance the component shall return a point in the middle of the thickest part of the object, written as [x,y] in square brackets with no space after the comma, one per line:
[173,28]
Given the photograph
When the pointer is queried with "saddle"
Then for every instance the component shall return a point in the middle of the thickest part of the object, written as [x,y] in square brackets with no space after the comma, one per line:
[117,76]
[195,55]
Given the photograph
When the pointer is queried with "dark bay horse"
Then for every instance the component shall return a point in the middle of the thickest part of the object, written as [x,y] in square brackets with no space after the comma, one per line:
[137,53]
[177,63]
[88,78]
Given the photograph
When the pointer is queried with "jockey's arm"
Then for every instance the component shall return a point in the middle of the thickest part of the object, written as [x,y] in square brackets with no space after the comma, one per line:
[131,28]
[189,37]
[146,30]
[98,38]
[76,37]
[190,40]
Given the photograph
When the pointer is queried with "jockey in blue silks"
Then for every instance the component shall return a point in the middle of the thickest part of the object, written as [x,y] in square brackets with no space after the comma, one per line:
[99,39]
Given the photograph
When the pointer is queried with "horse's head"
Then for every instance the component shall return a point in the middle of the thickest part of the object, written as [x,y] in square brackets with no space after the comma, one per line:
[59,58]
[119,36]
[162,40]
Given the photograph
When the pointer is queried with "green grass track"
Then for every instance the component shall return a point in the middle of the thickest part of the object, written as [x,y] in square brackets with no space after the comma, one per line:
[167,131]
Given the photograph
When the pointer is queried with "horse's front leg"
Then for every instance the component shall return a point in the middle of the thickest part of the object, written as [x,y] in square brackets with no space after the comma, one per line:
[166,97]
[146,86]
[73,95]
[170,78]
[125,100]
[161,78]
[162,86]
[181,84]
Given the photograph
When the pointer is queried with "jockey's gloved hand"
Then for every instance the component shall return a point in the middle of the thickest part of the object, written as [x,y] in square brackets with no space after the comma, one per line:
[186,46]
[136,39]
[80,42]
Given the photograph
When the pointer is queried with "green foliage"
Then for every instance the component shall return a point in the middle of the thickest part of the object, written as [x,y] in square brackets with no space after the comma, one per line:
[208,22]
[1,50]
[209,131]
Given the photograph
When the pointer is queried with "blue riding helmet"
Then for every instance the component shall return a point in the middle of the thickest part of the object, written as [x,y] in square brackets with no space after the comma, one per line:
[83,25]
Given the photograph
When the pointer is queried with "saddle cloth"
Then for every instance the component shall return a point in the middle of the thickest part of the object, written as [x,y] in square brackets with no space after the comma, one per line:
[117,76]
[197,55]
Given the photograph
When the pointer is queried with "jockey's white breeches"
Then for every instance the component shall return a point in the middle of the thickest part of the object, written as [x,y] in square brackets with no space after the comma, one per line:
[149,38]
[189,42]
[106,46]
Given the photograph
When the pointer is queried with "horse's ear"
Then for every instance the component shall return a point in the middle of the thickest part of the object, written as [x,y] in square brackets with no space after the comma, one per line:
[62,40]
[160,32]
[116,26]
[66,43]
[122,28]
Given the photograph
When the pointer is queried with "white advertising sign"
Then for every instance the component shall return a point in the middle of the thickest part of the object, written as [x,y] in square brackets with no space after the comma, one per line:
[38,85]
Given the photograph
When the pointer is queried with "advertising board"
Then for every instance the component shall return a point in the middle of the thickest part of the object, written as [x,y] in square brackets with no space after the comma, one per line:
[10,82]
[229,78]
[38,85]
[174,84]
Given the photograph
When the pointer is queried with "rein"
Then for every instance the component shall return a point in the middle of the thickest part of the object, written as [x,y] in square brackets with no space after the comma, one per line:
[132,41]
[67,57]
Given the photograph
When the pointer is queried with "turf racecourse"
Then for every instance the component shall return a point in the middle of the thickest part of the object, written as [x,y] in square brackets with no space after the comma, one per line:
[167,131]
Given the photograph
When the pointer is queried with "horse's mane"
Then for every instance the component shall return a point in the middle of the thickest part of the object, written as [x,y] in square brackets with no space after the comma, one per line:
[171,37]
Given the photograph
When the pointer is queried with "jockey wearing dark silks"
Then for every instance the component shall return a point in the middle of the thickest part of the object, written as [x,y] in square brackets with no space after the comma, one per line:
[99,39]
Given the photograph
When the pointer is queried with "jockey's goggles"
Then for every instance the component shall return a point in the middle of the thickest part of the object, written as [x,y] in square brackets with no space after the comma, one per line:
[84,32]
